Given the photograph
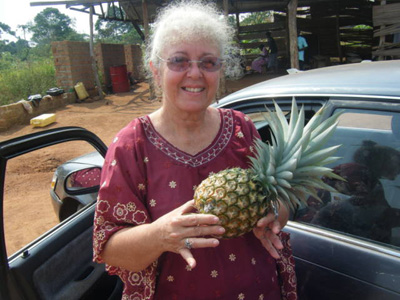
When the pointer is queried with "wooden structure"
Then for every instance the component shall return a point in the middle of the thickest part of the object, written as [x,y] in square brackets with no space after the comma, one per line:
[330,26]
[386,20]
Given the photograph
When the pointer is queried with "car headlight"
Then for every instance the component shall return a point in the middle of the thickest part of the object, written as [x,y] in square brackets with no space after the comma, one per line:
[54,181]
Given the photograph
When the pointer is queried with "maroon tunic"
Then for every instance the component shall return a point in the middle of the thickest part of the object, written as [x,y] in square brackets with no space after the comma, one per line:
[145,177]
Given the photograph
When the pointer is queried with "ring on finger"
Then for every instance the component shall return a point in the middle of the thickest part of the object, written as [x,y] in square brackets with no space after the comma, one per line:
[275,210]
[188,244]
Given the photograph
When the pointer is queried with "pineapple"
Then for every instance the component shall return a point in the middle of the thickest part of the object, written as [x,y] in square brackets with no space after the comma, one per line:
[289,169]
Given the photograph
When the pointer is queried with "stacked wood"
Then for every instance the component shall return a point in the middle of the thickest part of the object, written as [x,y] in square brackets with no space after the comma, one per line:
[386,20]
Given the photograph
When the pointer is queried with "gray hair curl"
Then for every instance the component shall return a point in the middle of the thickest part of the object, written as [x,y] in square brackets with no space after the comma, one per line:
[191,21]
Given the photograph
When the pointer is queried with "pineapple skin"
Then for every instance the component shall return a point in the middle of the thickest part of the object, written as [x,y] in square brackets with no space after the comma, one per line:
[235,197]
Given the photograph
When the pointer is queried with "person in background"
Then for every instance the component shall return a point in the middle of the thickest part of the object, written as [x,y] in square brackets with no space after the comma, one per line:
[272,53]
[302,45]
[145,228]
[260,63]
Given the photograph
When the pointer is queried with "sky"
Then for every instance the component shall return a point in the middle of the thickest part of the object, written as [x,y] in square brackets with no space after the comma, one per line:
[19,12]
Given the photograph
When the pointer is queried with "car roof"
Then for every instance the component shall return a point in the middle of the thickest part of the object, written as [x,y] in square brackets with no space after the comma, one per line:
[367,78]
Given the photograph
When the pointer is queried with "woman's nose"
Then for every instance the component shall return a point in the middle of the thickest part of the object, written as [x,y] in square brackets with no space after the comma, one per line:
[194,70]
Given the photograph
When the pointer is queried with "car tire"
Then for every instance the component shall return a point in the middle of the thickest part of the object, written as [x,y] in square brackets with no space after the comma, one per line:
[69,207]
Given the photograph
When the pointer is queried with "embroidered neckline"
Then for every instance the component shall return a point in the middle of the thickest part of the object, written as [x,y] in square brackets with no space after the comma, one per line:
[204,156]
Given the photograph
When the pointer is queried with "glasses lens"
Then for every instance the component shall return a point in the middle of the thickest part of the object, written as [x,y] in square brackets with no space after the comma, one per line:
[210,63]
[181,63]
[178,63]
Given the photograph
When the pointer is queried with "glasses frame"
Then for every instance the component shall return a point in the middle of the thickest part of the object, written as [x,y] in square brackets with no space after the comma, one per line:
[198,62]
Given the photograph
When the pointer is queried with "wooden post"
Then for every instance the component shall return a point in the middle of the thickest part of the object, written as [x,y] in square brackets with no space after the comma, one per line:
[338,36]
[145,19]
[292,26]
[152,92]
[382,38]
[222,82]
[94,65]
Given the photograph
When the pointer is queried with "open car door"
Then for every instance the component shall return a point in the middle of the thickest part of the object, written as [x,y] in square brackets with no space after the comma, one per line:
[57,263]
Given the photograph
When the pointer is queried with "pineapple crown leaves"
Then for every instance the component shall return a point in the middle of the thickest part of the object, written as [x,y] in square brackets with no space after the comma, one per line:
[292,164]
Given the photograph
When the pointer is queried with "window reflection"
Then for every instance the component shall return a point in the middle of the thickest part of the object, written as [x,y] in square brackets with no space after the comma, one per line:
[365,205]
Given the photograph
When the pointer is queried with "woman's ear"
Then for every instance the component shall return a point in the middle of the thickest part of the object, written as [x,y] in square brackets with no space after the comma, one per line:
[156,73]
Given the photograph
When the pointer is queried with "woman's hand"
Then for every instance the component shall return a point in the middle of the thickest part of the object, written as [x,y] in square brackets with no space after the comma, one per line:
[181,231]
[267,230]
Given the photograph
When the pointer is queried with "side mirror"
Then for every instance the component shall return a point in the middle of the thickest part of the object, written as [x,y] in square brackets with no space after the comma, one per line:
[83,179]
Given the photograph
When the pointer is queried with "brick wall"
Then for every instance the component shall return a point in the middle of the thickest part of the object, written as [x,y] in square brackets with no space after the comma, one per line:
[73,64]
[15,113]
[109,55]
[134,63]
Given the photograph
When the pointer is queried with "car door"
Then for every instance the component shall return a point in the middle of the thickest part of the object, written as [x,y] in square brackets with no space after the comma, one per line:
[347,246]
[57,264]
[344,246]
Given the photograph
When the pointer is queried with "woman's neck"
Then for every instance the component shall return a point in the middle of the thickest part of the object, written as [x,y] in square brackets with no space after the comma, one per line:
[186,131]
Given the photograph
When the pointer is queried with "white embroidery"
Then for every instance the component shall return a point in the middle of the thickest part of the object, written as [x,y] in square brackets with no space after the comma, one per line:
[172,184]
[253,261]
[240,134]
[114,163]
[261,297]
[131,206]
[170,278]
[227,130]
[120,212]
[135,278]
[188,268]
[214,273]
[153,202]
[141,186]
[146,160]
[241,296]
[232,257]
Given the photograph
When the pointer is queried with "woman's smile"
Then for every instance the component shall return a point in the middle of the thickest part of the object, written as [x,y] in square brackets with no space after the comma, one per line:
[193,90]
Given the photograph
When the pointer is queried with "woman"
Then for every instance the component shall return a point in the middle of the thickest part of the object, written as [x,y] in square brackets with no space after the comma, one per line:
[144,228]
[260,63]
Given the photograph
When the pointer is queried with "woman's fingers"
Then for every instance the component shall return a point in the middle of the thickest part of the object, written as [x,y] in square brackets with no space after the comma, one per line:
[188,257]
[193,243]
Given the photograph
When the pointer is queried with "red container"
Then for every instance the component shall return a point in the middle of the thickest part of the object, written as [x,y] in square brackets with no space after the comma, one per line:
[119,79]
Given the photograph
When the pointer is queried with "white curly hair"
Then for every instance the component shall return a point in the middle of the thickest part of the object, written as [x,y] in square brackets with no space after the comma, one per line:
[192,21]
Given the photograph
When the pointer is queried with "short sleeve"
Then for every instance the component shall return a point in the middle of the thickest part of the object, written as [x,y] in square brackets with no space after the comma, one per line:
[121,198]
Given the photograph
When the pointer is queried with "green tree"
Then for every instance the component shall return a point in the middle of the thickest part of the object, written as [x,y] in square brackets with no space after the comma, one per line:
[118,32]
[256,18]
[51,25]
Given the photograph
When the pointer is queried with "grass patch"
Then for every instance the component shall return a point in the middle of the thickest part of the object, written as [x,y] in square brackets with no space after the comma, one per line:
[22,79]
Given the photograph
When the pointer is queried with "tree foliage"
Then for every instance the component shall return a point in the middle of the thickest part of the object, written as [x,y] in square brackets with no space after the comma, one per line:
[4,28]
[116,31]
[51,25]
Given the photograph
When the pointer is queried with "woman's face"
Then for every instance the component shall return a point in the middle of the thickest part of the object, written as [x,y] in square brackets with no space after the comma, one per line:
[191,90]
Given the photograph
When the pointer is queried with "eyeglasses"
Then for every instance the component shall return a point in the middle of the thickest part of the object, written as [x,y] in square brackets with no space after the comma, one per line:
[181,63]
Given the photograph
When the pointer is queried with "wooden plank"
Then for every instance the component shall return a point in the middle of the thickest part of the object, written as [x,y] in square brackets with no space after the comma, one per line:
[391,29]
[261,35]
[261,27]
[385,14]
[388,52]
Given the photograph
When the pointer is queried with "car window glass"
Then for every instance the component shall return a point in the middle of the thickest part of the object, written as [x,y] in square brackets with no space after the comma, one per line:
[35,199]
[365,204]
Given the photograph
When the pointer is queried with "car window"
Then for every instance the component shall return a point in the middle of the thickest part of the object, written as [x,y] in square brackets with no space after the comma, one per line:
[35,195]
[367,203]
